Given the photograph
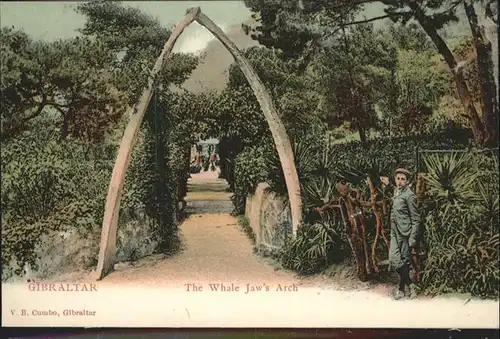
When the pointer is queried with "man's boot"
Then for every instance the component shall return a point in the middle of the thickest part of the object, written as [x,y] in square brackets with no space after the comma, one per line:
[398,292]
[410,289]
[404,290]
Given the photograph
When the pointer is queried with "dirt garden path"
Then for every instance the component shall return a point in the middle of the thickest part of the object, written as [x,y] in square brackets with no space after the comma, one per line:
[215,249]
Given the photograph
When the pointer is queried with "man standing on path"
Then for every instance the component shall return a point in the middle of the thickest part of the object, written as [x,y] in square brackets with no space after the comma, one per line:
[405,222]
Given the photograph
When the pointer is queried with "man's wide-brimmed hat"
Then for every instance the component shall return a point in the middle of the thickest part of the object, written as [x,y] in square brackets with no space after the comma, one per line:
[403,171]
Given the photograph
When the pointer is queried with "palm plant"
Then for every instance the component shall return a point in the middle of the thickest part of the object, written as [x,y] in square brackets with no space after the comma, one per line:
[315,246]
[359,170]
[462,228]
[318,185]
[305,151]
[451,179]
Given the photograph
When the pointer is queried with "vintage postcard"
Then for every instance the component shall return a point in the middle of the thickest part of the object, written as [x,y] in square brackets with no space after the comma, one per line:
[250,164]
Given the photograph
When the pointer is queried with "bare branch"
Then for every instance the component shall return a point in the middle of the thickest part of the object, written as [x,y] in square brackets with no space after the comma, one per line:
[387,16]
[359,22]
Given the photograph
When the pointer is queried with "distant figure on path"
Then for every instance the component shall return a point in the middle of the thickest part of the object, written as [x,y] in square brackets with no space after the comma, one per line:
[405,222]
[213,158]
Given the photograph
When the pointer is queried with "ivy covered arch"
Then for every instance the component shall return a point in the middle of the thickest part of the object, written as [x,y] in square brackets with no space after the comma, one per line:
[107,249]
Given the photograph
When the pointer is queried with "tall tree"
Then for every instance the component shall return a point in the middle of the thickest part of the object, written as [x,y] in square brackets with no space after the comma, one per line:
[431,15]
[136,39]
[293,92]
[419,87]
[415,85]
[489,103]
[353,71]
[71,76]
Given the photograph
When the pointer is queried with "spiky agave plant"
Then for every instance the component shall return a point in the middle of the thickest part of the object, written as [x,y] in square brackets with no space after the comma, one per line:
[320,241]
[356,172]
[451,179]
[463,236]
[319,183]
[305,151]
[315,247]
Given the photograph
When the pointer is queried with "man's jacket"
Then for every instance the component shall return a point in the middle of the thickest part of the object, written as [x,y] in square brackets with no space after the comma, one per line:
[405,218]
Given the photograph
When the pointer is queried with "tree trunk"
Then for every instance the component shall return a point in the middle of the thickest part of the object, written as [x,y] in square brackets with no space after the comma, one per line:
[487,79]
[491,33]
[276,126]
[107,250]
[462,88]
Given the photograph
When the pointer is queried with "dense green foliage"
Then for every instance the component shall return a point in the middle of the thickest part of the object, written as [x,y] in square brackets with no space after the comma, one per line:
[356,101]
[299,29]
[462,192]
[63,119]
[391,84]
[461,225]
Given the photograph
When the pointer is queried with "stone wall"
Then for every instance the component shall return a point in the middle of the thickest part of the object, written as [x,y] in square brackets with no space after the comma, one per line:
[269,217]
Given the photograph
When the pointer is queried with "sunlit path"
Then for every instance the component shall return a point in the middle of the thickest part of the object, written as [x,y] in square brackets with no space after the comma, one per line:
[215,249]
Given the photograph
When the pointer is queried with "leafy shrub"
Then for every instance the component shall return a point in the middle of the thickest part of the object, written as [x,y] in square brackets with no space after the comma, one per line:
[249,172]
[46,188]
[51,187]
[315,247]
[459,259]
